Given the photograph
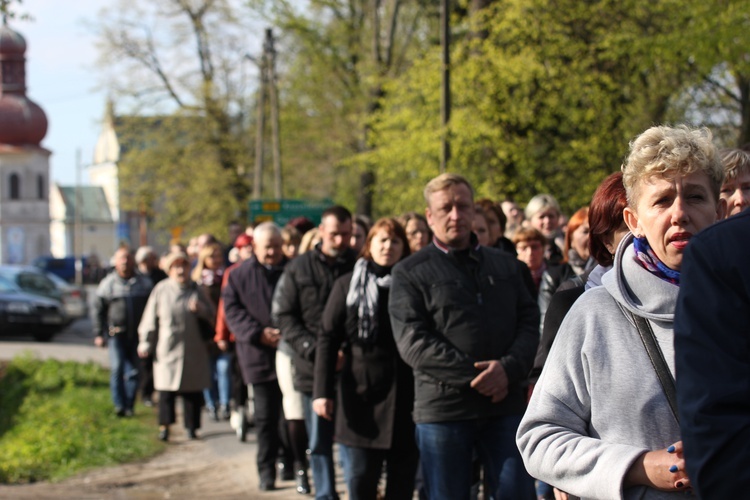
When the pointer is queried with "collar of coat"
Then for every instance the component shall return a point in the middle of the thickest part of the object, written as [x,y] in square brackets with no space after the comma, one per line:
[473,245]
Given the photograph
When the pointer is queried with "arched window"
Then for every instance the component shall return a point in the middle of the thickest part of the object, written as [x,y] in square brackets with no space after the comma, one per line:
[40,187]
[15,187]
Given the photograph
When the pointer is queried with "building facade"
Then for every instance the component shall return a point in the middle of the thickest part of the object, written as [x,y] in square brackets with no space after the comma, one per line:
[24,163]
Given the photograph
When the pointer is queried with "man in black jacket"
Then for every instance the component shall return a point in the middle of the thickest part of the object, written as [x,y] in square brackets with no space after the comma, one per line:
[247,306]
[465,322]
[298,305]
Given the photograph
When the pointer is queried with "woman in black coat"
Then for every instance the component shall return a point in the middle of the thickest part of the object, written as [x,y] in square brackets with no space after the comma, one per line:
[374,392]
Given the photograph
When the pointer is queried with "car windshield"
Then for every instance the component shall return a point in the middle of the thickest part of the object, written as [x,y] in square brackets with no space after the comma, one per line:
[6,286]
[59,282]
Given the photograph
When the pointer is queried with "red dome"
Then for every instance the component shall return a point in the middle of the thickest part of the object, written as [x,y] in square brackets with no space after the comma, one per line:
[21,120]
[11,42]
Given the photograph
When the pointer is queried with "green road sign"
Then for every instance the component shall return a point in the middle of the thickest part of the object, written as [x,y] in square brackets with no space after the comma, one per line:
[282,211]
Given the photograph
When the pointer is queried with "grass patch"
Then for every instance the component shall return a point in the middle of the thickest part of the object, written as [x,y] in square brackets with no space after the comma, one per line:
[56,419]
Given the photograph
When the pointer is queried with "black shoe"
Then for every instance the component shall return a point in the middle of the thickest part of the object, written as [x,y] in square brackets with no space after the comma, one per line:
[266,485]
[213,414]
[303,485]
[225,413]
[164,434]
[286,472]
[120,412]
[192,434]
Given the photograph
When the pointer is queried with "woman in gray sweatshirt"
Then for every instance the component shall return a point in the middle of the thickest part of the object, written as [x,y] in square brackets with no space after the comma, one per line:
[599,424]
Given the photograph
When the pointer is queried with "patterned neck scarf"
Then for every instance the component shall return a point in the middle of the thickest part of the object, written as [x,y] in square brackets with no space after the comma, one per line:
[211,277]
[647,258]
[363,293]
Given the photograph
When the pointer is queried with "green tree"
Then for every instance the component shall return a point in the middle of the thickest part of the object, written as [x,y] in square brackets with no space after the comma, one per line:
[340,53]
[545,102]
[183,58]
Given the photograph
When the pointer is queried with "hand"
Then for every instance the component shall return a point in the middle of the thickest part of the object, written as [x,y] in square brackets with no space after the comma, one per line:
[323,407]
[270,336]
[492,382]
[142,354]
[559,494]
[340,358]
[223,345]
[661,469]
[193,304]
[99,341]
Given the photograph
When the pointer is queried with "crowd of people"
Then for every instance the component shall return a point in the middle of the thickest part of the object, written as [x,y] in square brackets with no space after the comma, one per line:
[479,349]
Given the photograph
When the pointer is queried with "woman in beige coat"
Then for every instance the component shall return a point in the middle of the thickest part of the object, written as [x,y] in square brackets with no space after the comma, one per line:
[170,332]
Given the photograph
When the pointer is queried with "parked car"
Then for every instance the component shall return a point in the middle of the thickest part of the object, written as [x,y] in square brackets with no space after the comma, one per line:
[26,314]
[35,281]
[74,299]
[31,280]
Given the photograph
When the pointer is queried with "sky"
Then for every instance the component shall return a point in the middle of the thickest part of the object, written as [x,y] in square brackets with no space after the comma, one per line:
[60,77]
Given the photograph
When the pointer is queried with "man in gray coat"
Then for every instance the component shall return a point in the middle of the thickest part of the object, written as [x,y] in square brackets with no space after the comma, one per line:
[120,300]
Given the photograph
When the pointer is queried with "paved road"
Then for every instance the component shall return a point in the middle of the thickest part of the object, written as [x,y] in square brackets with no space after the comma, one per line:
[75,343]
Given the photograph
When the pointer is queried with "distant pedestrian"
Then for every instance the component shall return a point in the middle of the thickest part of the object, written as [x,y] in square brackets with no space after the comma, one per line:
[118,307]
[147,262]
[247,303]
[170,331]
[298,304]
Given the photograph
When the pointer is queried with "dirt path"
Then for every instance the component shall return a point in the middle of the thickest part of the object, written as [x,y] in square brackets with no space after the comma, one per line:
[217,466]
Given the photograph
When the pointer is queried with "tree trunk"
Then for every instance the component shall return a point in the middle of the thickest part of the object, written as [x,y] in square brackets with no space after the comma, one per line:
[744,85]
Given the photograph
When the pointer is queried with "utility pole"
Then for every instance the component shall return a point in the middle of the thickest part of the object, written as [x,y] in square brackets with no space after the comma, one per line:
[267,67]
[261,125]
[274,105]
[78,224]
[445,101]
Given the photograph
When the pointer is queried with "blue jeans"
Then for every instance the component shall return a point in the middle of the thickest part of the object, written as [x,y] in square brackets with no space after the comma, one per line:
[320,433]
[221,382]
[446,453]
[123,376]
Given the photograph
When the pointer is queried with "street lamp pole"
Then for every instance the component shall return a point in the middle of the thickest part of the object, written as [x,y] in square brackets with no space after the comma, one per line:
[446,88]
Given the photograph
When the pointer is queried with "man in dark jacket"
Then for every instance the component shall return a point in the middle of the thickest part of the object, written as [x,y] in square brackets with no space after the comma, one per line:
[298,305]
[147,264]
[120,300]
[465,322]
[247,306]
[712,359]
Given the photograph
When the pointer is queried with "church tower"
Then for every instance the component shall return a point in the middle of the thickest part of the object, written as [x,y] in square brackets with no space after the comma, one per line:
[24,163]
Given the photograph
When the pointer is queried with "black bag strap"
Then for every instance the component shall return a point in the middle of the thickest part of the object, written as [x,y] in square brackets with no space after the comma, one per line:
[658,361]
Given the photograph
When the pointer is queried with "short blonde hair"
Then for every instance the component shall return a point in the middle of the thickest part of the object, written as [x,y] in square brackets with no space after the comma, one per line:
[668,151]
[735,161]
[539,203]
[444,181]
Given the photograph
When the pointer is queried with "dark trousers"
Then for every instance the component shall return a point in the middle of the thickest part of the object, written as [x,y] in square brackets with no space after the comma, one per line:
[366,467]
[191,408]
[446,450]
[147,378]
[239,389]
[268,413]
